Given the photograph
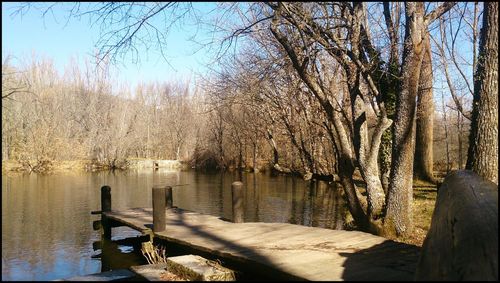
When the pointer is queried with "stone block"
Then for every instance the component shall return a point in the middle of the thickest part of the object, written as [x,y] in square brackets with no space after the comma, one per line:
[197,268]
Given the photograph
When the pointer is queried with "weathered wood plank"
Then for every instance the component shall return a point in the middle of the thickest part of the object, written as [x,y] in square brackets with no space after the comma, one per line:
[462,242]
[138,219]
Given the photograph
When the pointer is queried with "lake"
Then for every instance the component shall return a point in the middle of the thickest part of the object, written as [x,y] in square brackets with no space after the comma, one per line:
[47,226]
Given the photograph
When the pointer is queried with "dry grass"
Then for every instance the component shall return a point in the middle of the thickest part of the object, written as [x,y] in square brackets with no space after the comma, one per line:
[10,167]
[424,200]
[154,254]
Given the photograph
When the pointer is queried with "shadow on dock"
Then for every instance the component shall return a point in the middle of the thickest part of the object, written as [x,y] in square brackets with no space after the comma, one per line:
[374,263]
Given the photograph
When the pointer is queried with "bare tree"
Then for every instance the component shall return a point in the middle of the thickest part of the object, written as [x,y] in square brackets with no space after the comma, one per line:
[325,87]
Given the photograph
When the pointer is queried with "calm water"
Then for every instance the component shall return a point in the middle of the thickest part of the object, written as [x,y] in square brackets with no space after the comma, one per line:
[47,226]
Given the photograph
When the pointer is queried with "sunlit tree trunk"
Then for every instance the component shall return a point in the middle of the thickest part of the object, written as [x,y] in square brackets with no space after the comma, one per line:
[460,127]
[399,214]
[445,122]
[483,139]
[423,164]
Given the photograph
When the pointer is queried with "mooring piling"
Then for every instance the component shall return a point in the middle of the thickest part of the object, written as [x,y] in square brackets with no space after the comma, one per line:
[106,206]
[159,200]
[237,196]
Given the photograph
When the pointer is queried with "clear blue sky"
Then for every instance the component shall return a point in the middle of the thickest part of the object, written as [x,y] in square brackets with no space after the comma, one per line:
[51,37]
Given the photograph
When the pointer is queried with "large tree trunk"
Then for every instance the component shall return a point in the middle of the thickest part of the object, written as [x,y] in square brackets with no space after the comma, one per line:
[483,138]
[399,201]
[423,163]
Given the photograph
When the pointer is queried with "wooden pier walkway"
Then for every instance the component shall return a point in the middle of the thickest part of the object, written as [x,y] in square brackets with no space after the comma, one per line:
[462,243]
[302,253]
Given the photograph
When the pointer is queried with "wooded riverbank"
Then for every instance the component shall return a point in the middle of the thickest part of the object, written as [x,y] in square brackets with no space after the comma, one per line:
[87,165]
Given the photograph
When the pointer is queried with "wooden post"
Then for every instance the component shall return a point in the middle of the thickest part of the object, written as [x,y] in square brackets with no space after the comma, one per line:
[237,194]
[169,197]
[105,206]
[159,209]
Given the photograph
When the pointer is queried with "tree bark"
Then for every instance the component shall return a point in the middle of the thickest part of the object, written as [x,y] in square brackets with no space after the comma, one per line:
[423,163]
[240,156]
[482,155]
[273,145]
[367,156]
[399,200]
[388,86]
[460,126]
[445,122]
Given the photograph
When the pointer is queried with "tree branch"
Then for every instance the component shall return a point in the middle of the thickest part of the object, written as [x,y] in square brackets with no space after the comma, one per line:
[436,13]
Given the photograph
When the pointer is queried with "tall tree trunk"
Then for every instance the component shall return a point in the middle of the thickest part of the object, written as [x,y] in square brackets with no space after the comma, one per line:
[388,89]
[423,163]
[446,136]
[384,159]
[254,158]
[240,156]
[273,145]
[346,170]
[482,155]
[276,165]
[460,126]
[399,200]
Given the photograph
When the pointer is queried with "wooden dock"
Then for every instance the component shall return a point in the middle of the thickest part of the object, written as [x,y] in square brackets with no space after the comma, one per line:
[298,252]
[461,244]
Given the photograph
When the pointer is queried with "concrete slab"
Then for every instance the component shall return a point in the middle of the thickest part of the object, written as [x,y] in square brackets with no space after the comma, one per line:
[152,272]
[197,268]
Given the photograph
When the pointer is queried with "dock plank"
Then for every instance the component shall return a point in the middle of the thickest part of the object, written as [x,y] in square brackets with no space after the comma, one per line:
[308,253]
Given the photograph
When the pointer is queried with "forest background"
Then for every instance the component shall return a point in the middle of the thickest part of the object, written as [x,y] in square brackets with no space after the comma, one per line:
[372,95]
